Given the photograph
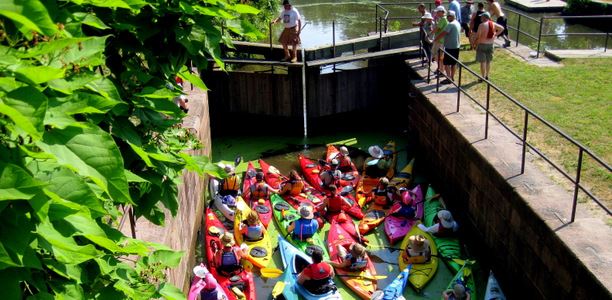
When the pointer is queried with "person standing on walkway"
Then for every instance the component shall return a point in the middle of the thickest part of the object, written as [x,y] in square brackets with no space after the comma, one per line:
[424,29]
[484,43]
[497,14]
[474,23]
[451,45]
[453,5]
[466,16]
[291,34]
[440,25]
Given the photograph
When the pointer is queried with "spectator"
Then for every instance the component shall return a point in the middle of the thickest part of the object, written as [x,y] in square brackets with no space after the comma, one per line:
[474,23]
[453,5]
[466,16]
[484,43]
[426,37]
[451,45]
[438,41]
[291,34]
[496,12]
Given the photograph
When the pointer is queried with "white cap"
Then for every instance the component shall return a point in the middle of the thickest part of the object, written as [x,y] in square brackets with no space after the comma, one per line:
[452,14]
[440,8]
[427,15]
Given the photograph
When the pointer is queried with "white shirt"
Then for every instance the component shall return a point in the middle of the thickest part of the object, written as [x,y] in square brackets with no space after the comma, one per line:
[290,17]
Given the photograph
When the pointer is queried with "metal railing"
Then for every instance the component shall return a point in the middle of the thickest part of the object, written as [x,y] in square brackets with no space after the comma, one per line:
[382,21]
[528,114]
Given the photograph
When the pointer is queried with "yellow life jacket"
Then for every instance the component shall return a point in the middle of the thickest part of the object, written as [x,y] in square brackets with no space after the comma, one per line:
[231,183]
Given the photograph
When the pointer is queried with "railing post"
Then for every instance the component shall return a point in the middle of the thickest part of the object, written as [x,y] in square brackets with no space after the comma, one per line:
[577,184]
[428,70]
[438,75]
[270,28]
[487,110]
[459,88]
[380,35]
[376,20]
[518,30]
[606,43]
[540,37]
[525,124]
[334,37]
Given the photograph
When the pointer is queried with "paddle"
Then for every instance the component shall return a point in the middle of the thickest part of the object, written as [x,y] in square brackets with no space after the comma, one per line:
[377,259]
[270,272]
[371,277]
[278,289]
[375,161]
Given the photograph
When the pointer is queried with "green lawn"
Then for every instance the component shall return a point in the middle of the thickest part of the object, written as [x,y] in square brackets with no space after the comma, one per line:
[577,98]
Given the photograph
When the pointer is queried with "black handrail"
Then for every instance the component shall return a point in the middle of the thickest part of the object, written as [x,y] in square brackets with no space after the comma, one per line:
[582,150]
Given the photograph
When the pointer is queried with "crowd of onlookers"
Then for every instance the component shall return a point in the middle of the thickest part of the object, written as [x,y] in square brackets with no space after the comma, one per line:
[441,30]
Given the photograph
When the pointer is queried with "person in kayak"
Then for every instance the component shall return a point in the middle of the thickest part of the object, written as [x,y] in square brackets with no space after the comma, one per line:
[252,228]
[206,285]
[333,203]
[228,259]
[444,226]
[379,194]
[378,164]
[304,227]
[294,186]
[345,165]
[418,251]
[317,277]
[404,206]
[356,259]
[259,190]
[457,293]
[231,184]
[330,174]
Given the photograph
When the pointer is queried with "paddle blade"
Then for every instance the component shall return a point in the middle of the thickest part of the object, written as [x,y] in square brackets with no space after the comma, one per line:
[278,289]
[270,272]
[372,162]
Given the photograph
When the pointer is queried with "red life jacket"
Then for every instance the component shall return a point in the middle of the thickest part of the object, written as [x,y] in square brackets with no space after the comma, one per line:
[335,204]
[318,271]
[380,197]
[491,29]
[259,190]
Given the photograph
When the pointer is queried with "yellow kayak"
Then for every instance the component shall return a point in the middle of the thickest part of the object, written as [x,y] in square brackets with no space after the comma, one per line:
[390,148]
[420,274]
[404,177]
[259,252]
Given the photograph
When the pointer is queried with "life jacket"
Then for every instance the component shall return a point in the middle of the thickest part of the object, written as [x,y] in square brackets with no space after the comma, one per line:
[320,271]
[345,164]
[297,186]
[209,295]
[329,177]
[230,185]
[259,190]
[335,204]
[254,233]
[357,263]
[491,29]
[228,258]
[305,228]
[380,197]
[414,259]
[320,282]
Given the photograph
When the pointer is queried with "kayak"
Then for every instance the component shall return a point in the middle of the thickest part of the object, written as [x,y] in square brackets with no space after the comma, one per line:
[294,261]
[494,291]
[363,287]
[348,178]
[397,227]
[404,177]
[259,252]
[227,209]
[464,276]
[364,189]
[373,217]
[390,148]
[347,224]
[449,247]
[197,285]
[420,274]
[274,179]
[395,289]
[242,283]
[261,206]
[285,214]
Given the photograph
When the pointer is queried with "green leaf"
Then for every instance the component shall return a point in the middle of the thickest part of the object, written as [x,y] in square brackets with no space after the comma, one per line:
[171,292]
[142,153]
[166,257]
[31,14]
[104,87]
[64,249]
[245,9]
[16,183]
[61,109]
[157,93]
[26,106]
[131,177]
[68,271]
[68,84]
[90,20]
[195,80]
[16,236]
[10,280]
[36,74]
[91,152]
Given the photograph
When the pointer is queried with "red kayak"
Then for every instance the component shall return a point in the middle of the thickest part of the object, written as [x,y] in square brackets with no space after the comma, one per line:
[363,283]
[261,206]
[348,178]
[242,283]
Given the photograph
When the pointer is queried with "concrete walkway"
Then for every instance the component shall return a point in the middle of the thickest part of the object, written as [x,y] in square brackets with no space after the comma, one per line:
[527,54]
[589,236]
[538,5]
[561,54]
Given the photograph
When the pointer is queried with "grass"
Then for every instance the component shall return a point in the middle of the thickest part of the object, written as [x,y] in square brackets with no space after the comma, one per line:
[576,98]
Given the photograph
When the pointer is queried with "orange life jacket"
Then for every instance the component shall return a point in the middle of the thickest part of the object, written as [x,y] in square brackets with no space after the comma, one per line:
[296,187]
[231,183]
[380,197]
[259,190]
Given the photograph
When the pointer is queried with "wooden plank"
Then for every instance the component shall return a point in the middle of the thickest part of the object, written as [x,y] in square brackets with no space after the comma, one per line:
[363,56]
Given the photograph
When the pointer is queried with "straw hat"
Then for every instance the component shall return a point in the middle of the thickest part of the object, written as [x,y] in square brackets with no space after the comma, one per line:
[306,212]
[200,271]
[358,250]
[446,219]
[227,239]
[344,150]
[376,152]
[417,243]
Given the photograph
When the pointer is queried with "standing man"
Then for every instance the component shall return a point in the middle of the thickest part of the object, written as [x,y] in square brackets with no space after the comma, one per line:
[453,5]
[474,23]
[466,16]
[497,13]
[291,34]
[487,32]
[451,45]
[437,43]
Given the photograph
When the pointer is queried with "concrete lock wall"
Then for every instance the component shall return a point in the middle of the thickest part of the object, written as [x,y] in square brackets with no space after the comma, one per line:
[529,258]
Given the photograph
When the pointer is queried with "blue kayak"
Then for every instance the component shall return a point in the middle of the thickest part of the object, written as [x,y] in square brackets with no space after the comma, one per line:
[395,290]
[294,261]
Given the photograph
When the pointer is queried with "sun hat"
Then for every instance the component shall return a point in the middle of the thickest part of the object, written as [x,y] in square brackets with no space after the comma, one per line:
[306,212]
[376,152]
[486,15]
[417,243]
[427,15]
[452,14]
[334,162]
[200,271]
[440,8]
[446,219]
[384,181]
[227,239]
[344,150]
[459,291]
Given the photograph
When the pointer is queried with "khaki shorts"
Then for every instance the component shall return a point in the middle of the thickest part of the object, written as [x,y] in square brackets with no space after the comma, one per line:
[484,52]
[290,36]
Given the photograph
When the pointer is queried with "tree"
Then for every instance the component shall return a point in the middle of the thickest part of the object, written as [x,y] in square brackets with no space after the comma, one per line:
[87,123]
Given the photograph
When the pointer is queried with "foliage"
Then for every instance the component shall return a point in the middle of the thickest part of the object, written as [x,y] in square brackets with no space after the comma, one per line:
[88,123]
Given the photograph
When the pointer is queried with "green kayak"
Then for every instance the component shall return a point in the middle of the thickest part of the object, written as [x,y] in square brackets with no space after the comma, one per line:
[448,247]
[464,276]
[285,214]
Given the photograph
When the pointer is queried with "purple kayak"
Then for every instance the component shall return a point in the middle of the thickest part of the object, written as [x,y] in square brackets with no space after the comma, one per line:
[397,227]
[204,280]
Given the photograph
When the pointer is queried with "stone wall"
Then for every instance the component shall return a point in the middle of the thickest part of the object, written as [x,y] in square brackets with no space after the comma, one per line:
[531,260]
